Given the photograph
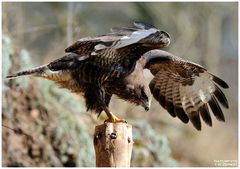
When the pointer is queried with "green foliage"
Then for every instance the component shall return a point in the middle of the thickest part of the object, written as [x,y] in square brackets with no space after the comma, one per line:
[24,63]
[151,149]
[69,137]
[76,140]
[50,91]
[7,51]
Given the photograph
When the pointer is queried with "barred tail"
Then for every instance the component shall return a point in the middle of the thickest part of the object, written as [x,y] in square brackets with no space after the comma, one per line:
[37,71]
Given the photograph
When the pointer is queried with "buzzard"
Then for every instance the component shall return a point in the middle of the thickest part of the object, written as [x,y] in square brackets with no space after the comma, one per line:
[113,64]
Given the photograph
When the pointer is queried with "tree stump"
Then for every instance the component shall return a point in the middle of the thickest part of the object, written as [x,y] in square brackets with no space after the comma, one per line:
[113,145]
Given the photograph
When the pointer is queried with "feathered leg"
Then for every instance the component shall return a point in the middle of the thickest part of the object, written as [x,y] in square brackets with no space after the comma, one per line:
[98,100]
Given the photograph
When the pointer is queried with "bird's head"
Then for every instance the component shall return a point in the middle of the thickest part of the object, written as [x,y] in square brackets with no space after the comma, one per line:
[140,95]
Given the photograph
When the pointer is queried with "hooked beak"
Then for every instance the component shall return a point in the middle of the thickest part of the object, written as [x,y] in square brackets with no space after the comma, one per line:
[146,106]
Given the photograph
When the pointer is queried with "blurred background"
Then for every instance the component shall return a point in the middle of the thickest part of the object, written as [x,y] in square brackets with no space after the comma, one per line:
[48,126]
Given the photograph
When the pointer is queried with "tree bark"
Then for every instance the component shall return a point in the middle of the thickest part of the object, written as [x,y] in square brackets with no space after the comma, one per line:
[113,145]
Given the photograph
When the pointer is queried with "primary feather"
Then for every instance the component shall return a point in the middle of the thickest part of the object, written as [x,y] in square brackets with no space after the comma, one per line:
[180,84]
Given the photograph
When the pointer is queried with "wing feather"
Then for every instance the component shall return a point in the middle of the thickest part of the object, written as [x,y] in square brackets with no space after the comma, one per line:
[181,114]
[195,119]
[219,81]
[185,89]
[204,112]
[191,103]
[123,30]
[143,25]
[85,46]
[216,108]
[221,97]
[133,38]
[178,110]
[169,98]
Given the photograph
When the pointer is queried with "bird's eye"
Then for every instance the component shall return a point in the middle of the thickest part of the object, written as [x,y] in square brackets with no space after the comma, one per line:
[130,92]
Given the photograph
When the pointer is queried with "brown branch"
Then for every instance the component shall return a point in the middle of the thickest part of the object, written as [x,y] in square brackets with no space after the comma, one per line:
[113,145]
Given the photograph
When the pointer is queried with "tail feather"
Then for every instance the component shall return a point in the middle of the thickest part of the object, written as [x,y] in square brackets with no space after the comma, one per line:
[37,71]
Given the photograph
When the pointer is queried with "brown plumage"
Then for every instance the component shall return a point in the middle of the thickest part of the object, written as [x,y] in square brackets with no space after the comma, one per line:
[185,89]
[119,50]
[111,64]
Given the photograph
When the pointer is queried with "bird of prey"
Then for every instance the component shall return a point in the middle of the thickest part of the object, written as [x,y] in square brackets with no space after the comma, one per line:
[101,66]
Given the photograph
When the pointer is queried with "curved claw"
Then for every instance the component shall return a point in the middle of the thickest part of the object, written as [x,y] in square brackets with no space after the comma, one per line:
[114,119]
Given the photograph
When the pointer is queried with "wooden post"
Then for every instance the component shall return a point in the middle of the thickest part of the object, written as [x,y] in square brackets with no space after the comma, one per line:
[113,145]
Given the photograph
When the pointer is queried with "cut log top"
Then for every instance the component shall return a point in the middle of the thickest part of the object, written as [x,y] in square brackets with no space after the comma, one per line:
[113,145]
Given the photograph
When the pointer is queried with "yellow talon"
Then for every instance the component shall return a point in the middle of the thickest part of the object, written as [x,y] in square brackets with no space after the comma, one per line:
[114,119]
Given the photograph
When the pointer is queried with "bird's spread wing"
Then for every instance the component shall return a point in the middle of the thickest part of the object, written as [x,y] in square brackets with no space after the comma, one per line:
[118,38]
[119,50]
[92,44]
[185,89]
